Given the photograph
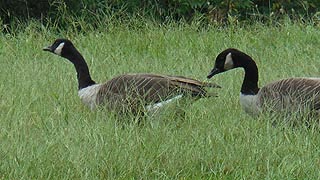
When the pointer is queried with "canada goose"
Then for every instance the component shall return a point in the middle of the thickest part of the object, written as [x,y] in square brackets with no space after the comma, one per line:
[287,95]
[129,92]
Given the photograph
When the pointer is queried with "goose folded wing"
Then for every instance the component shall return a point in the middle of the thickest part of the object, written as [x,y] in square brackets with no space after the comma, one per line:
[152,88]
[292,92]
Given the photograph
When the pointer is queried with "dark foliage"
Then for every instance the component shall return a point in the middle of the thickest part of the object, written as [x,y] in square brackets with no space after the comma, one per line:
[160,10]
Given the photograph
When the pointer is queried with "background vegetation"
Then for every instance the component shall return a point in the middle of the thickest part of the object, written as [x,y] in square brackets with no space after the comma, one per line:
[64,14]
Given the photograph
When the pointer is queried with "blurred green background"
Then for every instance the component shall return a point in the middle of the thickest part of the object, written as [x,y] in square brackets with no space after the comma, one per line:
[62,12]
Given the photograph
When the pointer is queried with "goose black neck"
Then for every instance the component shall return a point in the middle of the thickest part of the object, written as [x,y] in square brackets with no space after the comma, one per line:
[83,74]
[250,82]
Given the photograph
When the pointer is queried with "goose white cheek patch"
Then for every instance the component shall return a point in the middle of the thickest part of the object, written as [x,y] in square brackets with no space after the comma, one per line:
[228,64]
[59,49]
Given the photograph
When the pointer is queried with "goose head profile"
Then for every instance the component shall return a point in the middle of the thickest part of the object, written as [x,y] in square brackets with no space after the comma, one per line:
[66,49]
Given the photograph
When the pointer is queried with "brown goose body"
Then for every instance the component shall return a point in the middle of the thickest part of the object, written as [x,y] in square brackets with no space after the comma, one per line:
[287,96]
[291,94]
[128,92]
[137,91]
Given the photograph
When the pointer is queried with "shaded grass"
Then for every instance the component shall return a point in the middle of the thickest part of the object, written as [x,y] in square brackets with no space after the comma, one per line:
[46,133]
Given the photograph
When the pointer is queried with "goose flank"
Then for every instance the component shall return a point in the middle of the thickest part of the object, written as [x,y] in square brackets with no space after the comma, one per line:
[128,92]
[287,95]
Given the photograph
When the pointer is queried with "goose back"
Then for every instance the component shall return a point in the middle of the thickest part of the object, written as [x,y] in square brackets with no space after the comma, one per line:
[292,94]
[134,91]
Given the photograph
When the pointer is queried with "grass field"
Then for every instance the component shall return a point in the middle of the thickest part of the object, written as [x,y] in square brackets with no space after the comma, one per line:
[46,132]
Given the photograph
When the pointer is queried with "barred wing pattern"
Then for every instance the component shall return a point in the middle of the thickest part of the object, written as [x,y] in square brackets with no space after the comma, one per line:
[292,94]
[134,91]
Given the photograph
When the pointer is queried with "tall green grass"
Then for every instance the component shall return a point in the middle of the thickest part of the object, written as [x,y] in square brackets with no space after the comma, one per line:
[46,132]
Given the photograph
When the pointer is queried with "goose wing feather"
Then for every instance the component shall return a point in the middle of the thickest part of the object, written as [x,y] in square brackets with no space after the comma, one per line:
[291,93]
[150,88]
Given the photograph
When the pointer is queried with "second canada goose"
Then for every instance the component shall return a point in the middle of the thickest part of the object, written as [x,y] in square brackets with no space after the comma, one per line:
[128,92]
[287,95]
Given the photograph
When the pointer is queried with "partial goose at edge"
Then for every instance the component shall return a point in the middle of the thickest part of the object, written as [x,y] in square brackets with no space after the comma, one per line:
[289,95]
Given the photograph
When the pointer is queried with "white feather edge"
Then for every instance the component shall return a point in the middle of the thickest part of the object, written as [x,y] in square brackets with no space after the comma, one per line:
[162,103]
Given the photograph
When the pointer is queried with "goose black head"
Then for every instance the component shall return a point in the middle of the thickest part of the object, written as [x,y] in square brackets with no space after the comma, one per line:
[225,61]
[61,47]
